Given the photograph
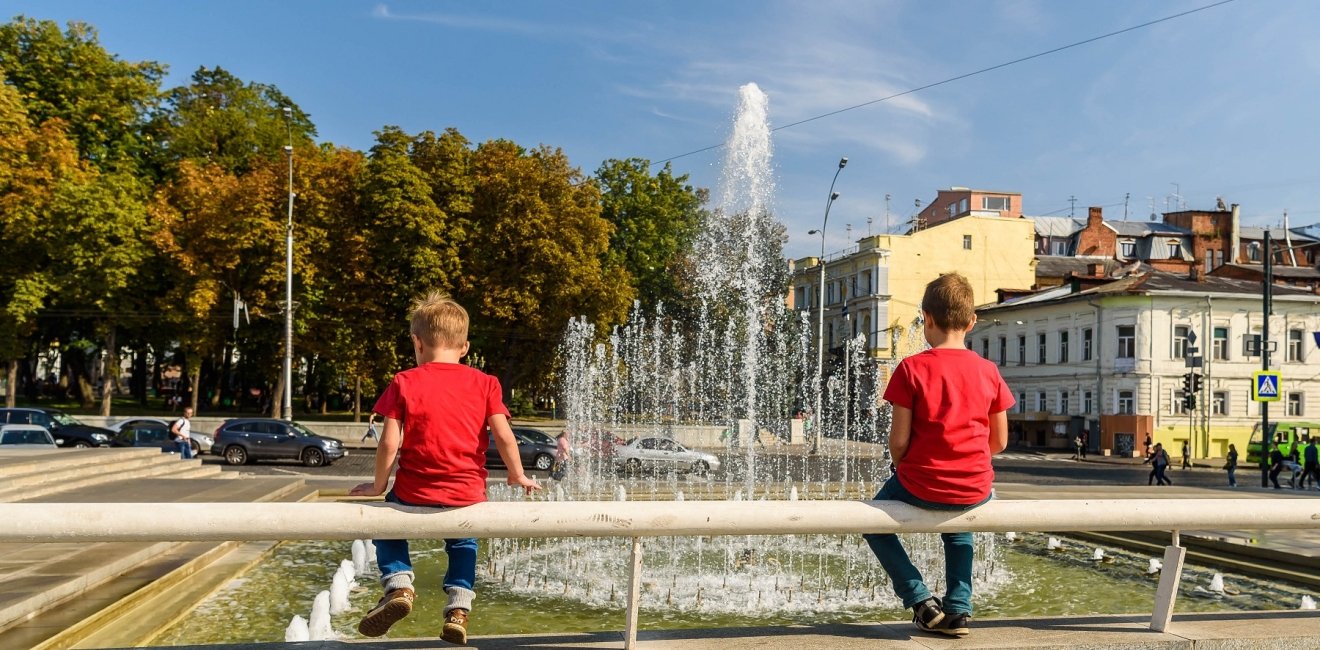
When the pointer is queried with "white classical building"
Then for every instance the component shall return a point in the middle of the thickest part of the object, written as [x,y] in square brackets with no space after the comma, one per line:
[1108,356]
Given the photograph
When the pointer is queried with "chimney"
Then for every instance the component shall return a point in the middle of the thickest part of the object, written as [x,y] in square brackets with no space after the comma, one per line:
[1197,273]
[1094,215]
[1095,270]
[1235,238]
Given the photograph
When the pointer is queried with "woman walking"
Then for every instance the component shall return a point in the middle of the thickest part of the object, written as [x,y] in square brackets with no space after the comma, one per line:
[1231,466]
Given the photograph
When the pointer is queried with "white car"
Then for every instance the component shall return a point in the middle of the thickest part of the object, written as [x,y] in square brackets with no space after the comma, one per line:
[201,442]
[26,436]
[655,454]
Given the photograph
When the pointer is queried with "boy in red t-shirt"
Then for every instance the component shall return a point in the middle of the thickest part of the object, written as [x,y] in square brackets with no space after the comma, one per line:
[435,424]
[949,417]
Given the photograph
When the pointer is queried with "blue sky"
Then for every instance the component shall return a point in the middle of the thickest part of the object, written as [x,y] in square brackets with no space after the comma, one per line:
[1221,103]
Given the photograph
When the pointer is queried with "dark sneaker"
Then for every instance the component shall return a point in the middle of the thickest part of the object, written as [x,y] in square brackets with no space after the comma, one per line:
[455,630]
[955,625]
[391,609]
[926,615]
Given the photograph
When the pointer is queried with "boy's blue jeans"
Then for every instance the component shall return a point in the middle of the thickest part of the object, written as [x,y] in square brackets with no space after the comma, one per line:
[392,555]
[906,578]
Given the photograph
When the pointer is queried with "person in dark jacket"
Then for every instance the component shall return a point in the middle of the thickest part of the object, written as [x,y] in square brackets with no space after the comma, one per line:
[1276,465]
[1159,461]
[1231,466]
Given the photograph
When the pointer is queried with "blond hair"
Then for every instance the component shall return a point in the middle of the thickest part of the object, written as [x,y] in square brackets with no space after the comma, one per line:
[439,321]
[949,302]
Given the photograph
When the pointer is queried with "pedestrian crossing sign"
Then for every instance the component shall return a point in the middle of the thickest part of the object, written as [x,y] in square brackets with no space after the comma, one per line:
[1265,386]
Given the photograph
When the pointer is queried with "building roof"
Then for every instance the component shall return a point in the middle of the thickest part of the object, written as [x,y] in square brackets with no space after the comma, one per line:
[1145,228]
[1152,282]
[1282,271]
[1298,235]
[1057,266]
[1056,226]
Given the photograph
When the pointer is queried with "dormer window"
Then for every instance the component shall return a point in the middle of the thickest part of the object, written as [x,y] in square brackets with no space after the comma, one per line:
[1128,249]
[999,203]
[1253,251]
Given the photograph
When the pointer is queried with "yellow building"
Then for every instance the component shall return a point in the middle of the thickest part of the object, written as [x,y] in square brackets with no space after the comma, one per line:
[875,288]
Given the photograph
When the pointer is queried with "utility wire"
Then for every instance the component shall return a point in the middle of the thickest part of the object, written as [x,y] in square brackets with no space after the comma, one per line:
[964,76]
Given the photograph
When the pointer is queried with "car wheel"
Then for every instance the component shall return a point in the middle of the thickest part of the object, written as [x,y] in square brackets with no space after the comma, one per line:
[633,466]
[700,468]
[197,449]
[81,444]
[543,461]
[236,455]
[313,457]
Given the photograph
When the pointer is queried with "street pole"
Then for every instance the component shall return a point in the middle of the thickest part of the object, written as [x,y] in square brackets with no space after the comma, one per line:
[1265,362]
[287,410]
[820,329]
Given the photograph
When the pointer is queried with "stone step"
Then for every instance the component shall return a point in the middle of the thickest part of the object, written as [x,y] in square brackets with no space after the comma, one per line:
[60,585]
[61,469]
[14,464]
[65,480]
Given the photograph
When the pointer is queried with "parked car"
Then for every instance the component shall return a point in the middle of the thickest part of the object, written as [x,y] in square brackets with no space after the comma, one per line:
[61,426]
[26,436]
[147,428]
[656,454]
[244,440]
[534,452]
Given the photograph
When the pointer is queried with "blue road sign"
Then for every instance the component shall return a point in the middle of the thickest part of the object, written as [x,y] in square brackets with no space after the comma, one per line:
[1265,386]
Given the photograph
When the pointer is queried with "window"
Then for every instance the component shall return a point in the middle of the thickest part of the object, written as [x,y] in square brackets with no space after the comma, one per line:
[1253,251]
[962,206]
[1126,405]
[1129,249]
[1127,341]
[866,282]
[1003,351]
[1295,345]
[1086,345]
[953,209]
[1022,349]
[1294,404]
[1060,247]
[1175,250]
[1063,346]
[1040,348]
[1221,343]
[1176,403]
[1042,402]
[1086,402]
[967,242]
[1180,341]
[1219,403]
[985,348]
[1022,403]
[1063,402]
[994,203]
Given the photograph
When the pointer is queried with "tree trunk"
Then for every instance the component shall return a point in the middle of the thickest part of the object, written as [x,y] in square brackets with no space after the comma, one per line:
[277,396]
[196,379]
[139,383]
[11,383]
[109,368]
[357,398]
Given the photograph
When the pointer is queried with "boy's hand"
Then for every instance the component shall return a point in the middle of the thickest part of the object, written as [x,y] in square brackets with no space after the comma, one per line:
[365,490]
[526,482]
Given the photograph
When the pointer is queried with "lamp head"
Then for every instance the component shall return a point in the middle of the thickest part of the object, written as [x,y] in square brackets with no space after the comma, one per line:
[813,231]
[834,195]
[843,162]
[288,111]
[288,149]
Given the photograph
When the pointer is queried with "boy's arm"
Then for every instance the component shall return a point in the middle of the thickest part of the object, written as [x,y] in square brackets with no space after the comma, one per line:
[386,453]
[507,445]
[900,432]
[999,432]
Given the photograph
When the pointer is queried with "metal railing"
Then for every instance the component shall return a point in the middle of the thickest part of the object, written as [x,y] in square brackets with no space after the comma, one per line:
[112,522]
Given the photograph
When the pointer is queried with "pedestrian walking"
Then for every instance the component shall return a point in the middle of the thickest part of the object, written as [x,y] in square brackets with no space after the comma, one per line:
[371,428]
[1146,451]
[181,432]
[1159,461]
[1231,465]
[1311,466]
[1077,447]
[1276,465]
[1186,454]
[1086,441]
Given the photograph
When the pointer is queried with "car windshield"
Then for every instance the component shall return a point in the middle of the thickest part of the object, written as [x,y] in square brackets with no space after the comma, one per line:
[24,438]
[301,430]
[536,436]
[64,418]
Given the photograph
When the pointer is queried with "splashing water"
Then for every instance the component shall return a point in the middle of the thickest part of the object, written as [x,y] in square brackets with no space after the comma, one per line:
[297,631]
[318,622]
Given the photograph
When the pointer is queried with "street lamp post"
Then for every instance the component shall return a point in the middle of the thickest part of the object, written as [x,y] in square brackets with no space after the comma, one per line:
[287,410]
[820,329]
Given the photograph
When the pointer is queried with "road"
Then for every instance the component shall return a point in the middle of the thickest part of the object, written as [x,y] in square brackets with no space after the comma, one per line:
[1012,467]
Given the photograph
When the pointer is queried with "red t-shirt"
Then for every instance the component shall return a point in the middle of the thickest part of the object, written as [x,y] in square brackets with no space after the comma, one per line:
[951,393]
[444,408]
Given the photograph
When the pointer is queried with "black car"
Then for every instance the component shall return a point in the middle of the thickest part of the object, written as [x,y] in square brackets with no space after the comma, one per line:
[535,448]
[244,440]
[61,425]
[144,436]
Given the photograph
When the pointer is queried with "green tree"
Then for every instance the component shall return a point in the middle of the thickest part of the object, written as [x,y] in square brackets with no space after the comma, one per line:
[221,120]
[535,259]
[68,75]
[655,218]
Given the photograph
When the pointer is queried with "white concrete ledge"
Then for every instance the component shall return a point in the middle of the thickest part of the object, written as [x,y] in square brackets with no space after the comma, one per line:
[91,522]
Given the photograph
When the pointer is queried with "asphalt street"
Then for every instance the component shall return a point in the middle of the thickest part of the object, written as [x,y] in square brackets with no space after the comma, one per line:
[1011,467]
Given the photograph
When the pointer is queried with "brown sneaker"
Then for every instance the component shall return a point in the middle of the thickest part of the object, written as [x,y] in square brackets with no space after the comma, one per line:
[455,630]
[391,609]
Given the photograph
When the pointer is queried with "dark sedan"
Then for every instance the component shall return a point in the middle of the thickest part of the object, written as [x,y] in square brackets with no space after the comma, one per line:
[535,448]
[61,426]
[244,440]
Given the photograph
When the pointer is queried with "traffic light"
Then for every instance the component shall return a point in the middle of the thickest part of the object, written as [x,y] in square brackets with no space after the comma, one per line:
[1189,401]
[1187,385]
[1196,383]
